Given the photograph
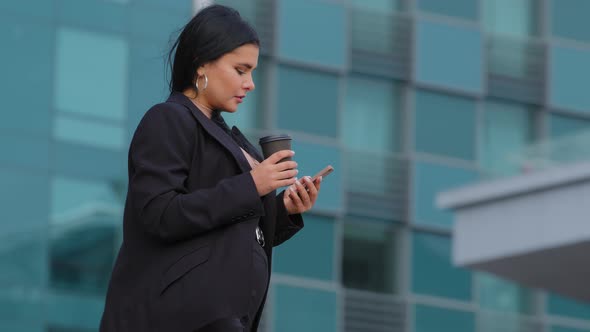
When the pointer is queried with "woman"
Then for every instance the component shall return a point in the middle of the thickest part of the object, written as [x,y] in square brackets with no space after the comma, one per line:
[202,214]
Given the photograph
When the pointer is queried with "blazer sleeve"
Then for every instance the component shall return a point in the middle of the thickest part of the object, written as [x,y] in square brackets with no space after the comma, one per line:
[161,154]
[287,225]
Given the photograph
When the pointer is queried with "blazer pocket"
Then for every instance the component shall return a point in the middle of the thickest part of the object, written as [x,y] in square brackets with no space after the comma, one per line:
[183,266]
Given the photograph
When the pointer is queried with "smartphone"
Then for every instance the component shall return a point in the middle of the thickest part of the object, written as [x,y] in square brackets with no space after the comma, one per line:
[327,170]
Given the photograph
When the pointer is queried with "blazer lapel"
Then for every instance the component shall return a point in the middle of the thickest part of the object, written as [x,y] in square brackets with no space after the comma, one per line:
[253,150]
[213,130]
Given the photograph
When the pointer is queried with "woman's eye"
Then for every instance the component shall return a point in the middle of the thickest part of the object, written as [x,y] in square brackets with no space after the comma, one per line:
[241,72]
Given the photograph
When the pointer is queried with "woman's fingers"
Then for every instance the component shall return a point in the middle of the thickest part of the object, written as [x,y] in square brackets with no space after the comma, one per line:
[302,192]
[279,155]
[312,190]
[301,196]
[291,173]
[286,165]
[286,182]
[295,198]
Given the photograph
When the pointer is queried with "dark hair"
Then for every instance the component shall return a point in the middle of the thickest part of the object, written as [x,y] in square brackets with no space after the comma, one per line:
[213,32]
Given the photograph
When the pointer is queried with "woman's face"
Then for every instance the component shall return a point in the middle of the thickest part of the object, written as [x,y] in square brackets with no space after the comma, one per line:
[230,78]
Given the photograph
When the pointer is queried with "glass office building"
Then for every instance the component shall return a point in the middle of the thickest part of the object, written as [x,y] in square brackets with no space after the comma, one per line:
[405,98]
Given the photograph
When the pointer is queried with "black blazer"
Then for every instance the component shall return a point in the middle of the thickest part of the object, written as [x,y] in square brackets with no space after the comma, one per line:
[189,225]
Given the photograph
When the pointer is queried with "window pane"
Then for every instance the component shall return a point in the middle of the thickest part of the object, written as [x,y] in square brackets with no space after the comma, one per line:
[568,82]
[312,157]
[376,5]
[301,40]
[310,253]
[503,295]
[83,161]
[75,13]
[301,309]
[569,19]
[507,129]
[69,197]
[18,198]
[466,9]
[24,151]
[431,319]
[23,66]
[22,261]
[156,24]
[561,125]
[563,306]
[182,6]
[91,74]
[429,180]
[434,112]
[458,61]
[370,257]
[567,329]
[85,218]
[297,88]
[82,254]
[514,59]
[431,256]
[23,249]
[147,85]
[371,115]
[70,312]
[36,8]
[88,132]
[511,17]
[22,312]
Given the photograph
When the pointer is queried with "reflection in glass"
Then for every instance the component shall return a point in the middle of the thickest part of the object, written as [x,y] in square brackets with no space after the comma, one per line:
[433,272]
[371,115]
[294,113]
[369,259]
[81,131]
[502,295]
[431,179]
[464,9]
[84,235]
[507,130]
[377,5]
[91,74]
[510,56]
[434,112]
[561,125]
[81,258]
[511,17]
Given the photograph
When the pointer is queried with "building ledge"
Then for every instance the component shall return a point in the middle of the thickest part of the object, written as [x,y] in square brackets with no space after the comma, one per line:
[533,228]
[511,186]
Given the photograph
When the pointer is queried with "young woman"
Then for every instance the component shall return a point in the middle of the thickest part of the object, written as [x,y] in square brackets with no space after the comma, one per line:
[202,214]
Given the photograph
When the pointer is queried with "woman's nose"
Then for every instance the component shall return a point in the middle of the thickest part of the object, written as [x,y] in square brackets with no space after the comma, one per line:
[249,85]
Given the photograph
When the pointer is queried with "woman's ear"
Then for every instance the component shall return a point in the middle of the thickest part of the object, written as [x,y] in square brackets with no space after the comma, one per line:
[202,70]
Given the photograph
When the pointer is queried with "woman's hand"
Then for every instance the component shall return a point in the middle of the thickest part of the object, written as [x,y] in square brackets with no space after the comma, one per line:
[298,198]
[270,174]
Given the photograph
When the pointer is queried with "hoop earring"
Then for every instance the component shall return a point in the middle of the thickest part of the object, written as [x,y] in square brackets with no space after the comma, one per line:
[206,82]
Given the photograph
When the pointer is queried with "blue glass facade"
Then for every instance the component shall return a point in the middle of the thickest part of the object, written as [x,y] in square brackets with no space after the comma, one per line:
[404,98]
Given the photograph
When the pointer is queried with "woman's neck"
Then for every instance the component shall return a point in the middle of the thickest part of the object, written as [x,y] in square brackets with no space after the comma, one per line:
[208,111]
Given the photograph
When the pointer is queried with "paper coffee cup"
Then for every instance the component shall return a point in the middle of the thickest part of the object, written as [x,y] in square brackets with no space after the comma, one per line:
[273,143]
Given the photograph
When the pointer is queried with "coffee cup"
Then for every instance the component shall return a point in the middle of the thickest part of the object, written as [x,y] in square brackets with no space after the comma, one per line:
[274,143]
